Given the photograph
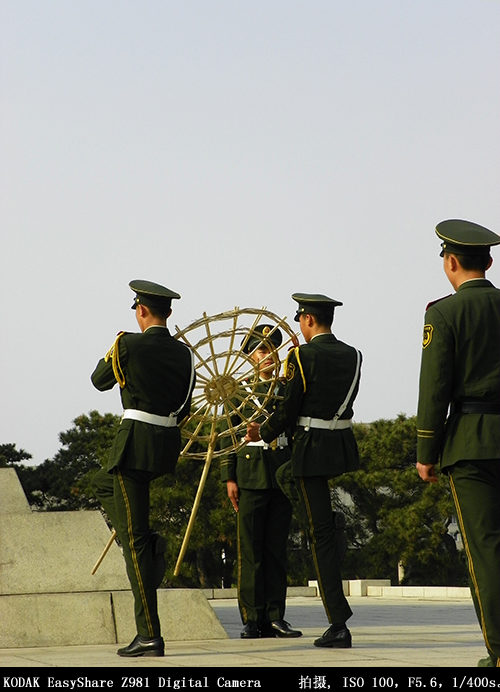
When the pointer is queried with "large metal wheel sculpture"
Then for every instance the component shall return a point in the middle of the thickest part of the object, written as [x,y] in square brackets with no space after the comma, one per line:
[226,380]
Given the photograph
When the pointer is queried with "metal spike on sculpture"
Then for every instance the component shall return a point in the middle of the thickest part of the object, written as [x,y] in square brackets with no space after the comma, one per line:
[226,380]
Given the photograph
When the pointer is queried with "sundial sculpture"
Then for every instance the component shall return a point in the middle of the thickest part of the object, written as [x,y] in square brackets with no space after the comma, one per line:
[226,382]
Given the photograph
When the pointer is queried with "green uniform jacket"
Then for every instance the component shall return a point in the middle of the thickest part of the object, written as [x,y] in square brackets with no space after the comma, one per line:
[317,383]
[460,362]
[158,379]
[253,467]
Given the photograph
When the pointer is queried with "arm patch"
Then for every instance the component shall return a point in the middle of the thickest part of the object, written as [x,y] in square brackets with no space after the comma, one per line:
[428,329]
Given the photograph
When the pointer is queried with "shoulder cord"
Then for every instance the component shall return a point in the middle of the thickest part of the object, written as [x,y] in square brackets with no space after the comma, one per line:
[113,354]
[297,356]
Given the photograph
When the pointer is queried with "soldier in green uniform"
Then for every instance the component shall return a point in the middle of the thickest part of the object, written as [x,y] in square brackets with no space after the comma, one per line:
[458,420]
[322,379]
[263,512]
[155,373]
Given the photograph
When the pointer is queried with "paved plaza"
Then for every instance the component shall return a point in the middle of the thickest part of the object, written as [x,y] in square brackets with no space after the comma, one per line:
[386,633]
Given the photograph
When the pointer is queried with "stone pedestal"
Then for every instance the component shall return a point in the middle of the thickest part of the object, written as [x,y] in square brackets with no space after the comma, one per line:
[48,596]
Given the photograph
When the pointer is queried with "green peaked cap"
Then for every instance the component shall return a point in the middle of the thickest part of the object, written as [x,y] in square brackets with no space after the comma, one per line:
[465,237]
[152,295]
[263,334]
[314,304]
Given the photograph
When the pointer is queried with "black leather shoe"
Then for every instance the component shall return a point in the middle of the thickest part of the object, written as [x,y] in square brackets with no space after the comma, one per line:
[142,646]
[335,638]
[250,631]
[279,628]
[340,539]
[159,545]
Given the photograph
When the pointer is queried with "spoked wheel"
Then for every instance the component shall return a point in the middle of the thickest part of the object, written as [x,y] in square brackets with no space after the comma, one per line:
[226,382]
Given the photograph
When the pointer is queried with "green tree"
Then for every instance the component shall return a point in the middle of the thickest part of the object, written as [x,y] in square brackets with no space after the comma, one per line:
[63,483]
[9,455]
[393,517]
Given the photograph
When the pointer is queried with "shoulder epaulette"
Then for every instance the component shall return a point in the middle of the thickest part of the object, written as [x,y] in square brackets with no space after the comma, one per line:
[438,300]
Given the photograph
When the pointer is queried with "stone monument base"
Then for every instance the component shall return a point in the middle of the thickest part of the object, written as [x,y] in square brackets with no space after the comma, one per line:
[48,596]
[76,619]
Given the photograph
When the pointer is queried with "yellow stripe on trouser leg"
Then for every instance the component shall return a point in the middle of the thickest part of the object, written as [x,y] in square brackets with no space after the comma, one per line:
[313,545]
[469,558]
[242,607]
[314,493]
[130,532]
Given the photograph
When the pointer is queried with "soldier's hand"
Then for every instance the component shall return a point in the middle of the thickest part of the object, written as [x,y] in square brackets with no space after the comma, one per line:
[295,342]
[427,472]
[232,493]
[253,432]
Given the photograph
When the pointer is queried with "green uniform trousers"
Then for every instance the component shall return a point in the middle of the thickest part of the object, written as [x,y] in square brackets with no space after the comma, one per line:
[263,523]
[124,494]
[475,486]
[310,495]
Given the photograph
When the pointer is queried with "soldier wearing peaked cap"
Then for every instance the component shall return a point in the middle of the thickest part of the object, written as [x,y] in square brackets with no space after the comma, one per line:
[322,380]
[458,419]
[155,373]
[263,512]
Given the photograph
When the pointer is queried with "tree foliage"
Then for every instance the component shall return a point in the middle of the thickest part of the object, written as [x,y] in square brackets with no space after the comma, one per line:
[9,455]
[63,483]
[393,517]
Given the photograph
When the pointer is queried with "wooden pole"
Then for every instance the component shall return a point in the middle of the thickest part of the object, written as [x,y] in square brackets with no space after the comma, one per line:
[104,552]
[201,485]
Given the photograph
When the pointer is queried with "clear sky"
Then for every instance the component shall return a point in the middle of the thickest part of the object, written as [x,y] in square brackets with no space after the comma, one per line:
[236,152]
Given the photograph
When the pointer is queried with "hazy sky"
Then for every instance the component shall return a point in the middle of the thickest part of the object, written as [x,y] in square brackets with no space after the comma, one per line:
[236,152]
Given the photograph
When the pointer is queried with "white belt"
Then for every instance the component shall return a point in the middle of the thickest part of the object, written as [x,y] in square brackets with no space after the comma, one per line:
[151,418]
[281,441]
[323,424]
